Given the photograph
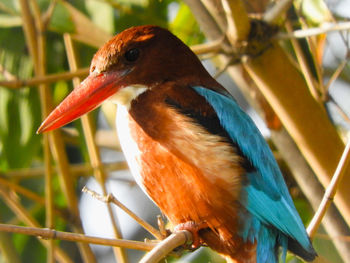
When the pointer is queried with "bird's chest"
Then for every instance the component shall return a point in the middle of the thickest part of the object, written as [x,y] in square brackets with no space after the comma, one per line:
[161,174]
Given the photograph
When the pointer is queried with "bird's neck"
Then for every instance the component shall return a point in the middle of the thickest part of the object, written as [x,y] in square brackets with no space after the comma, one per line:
[126,95]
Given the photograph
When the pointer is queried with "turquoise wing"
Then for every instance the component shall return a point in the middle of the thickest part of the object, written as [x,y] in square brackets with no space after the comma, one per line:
[267,198]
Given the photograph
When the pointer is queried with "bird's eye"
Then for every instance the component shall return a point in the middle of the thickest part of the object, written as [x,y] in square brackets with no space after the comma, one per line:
[132,54]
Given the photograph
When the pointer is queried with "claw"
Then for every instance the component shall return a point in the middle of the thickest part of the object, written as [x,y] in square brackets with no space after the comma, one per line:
[192,227]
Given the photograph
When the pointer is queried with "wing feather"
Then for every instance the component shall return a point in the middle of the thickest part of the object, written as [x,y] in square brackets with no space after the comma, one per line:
[267,194]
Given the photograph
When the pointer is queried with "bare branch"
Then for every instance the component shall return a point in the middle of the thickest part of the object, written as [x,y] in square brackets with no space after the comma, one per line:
[336,74]
[15,84]
[7,74]
[333,238]
[324,28]
[74,237]
[161,226]
[167,245]
[330,192]
[211,47]
[305,69]
[46,17]
[75,169]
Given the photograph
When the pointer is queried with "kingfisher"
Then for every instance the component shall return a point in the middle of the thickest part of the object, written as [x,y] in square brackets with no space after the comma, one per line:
[190,147]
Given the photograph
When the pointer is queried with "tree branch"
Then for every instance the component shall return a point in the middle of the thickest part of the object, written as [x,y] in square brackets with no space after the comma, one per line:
[163,248]
[47,79]
[330,191]
[83,169]
[324,28]
[74,237]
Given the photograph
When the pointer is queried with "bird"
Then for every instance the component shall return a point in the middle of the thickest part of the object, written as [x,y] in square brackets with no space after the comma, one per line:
[190,147]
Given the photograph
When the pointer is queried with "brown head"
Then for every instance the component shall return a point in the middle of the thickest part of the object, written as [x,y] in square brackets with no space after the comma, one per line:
[143,56]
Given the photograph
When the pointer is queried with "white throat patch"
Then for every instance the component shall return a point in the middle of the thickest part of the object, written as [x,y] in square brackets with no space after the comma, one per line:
[126,95]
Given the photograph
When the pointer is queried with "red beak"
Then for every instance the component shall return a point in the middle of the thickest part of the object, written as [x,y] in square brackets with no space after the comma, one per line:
[88,96]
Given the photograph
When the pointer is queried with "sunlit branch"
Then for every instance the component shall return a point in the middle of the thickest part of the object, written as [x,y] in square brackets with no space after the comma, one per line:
[167,245]
[15,84]
[324,28]
[74,237]
[330,192]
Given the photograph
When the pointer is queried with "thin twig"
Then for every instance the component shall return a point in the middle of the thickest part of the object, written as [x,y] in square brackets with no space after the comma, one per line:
[315,50]
[34,197]
[49,207]
[330,191]
[29,30]
[336,74]
[324,28]
[328,96]
[44,233]
[75,169]
[110,198]
[22,190]
[327,237]
[167,245]
[63,213]
[46,17]
[47,79]
[161,226]
[40,70]
[103,138]
[310,80]
[6,74]
[211,47]
[342,113]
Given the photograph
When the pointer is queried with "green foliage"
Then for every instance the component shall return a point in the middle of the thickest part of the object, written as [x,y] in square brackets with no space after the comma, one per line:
[61,20]
[303,209]
[102,14]
[12,41]
[19,116]
[185,26]
[61,90]
[32,251]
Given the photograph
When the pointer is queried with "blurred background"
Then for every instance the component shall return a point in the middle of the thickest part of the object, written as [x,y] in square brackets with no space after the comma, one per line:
[44,45]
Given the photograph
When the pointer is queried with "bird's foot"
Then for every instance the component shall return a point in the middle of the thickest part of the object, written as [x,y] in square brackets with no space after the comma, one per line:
[194,228]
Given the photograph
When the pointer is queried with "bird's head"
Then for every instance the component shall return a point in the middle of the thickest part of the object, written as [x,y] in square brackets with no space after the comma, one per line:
[138,58]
